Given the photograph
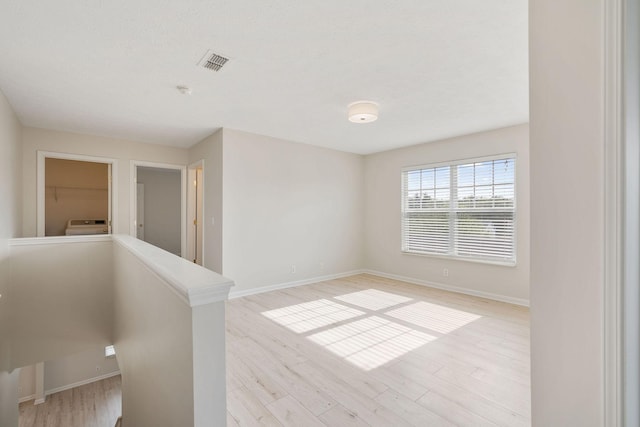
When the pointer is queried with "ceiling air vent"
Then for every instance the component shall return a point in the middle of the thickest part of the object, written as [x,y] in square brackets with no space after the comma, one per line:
[213,61]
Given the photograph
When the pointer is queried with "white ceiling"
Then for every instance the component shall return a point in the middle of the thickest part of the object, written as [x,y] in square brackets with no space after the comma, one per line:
[110,67]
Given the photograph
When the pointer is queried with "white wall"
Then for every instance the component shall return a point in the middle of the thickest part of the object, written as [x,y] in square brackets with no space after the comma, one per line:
[51,278]
[383,215]
[162,210]
[210,150]
[77,368]
[567,211]
[10,172]
[56,141]
[9,398]
[27,384]
[70,297]
[64,142]
[68,372]
[10,226]
[287,204]
[171,355]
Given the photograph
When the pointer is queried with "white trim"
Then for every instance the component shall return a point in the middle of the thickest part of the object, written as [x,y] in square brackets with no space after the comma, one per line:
[183,197]
[191,193]
[629,316]
[458,161]
[67,387]
[81,383]
[496,297]
[611,339]
[40,184]
[57,240]
[255,291]
[27,398]
[39,377]
[453,210]
[193,284]
[510,264]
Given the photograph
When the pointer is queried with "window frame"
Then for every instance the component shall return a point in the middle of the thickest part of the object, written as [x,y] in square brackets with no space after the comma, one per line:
[453,210]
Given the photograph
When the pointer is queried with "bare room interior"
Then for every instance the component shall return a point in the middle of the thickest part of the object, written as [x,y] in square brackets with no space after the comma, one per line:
[296,214]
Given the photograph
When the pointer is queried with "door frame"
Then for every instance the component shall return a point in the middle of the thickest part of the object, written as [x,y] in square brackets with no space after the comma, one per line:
[621,346]
[139,190]
[183,198]
[191,208]
[624,292]
[40,186]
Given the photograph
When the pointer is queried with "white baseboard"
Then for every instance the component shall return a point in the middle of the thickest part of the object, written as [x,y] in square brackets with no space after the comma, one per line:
[81,383]
[254,291]
[496,297]
[27,398]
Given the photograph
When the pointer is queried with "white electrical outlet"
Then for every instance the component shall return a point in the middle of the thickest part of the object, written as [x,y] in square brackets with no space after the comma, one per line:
[322,266]
[293,268]
[445,272]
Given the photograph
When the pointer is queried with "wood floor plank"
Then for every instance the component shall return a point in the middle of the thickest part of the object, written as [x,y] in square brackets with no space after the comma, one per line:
[291,413]
[473,369]
[245,409]
[260,383]
[509,395]
[475,403]
[97,404]
[412,412]
[341,416]
[403,384]
[452,411]
[307,394]
[340,389]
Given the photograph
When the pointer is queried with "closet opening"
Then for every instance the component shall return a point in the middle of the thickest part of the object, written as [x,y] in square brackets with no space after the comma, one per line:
[74,195]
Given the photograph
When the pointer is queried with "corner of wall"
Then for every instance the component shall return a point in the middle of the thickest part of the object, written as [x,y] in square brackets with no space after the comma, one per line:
[210,150]
[383,214]
[9,398]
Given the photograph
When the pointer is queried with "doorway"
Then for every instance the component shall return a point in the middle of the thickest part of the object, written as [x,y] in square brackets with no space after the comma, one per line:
[195,212]
[75,194]
[158,205]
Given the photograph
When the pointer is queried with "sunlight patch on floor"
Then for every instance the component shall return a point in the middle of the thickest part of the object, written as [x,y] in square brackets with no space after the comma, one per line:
[373,299]
[433,316]
[370,342]
[311,315]
[381,334]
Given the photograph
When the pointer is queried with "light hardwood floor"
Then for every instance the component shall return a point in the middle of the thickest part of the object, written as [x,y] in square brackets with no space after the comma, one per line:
[359,351]
[92,405]
[367,351]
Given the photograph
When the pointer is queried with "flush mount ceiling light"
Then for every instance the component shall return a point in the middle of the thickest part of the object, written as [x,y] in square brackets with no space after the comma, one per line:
[363,112]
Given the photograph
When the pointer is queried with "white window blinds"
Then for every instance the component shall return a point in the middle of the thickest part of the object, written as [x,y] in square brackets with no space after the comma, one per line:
[462,209]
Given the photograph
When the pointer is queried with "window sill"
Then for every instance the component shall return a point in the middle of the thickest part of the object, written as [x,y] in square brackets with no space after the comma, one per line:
[460,258]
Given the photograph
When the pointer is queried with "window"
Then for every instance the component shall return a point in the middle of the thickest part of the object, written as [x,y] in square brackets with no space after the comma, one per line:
[461,209]
[109,351]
